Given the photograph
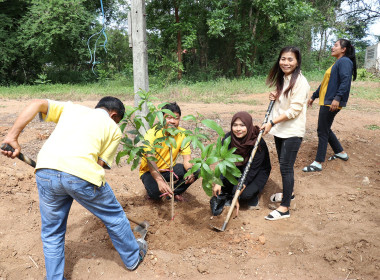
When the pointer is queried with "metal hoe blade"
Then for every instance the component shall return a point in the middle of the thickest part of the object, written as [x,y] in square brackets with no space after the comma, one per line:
[223,228]
[141,228]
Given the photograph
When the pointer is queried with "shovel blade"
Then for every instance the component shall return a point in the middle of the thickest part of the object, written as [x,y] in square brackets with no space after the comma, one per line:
[219,229]
[142,229]
[144,224]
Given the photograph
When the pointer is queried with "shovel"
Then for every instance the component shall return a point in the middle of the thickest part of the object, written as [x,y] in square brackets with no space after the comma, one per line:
[21,156]
[242,179]
[141,228]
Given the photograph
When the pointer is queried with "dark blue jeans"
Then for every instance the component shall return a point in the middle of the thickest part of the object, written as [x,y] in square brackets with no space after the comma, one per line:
[325,134]
[287,149]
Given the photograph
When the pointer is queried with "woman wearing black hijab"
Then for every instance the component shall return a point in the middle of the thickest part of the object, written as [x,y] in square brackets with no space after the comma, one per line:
[243,137]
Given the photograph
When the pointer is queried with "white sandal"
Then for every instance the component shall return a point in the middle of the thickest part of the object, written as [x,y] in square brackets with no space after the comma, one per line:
[277,215]
[277,197]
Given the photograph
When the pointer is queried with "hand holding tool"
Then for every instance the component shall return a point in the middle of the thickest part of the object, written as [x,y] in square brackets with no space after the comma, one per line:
[21,156]
[239,188]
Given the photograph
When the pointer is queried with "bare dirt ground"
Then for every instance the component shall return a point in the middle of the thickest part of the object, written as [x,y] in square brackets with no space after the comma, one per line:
[333,232]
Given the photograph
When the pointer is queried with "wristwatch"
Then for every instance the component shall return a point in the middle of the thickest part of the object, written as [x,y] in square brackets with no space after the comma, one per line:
[272,123]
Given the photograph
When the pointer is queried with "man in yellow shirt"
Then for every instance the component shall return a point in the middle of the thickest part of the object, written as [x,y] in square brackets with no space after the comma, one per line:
[71,166]
[156,174]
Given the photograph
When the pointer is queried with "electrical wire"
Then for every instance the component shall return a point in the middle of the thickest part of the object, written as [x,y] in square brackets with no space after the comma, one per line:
[101,33]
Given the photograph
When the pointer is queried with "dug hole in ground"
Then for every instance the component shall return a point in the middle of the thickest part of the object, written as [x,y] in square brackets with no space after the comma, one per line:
[333,231]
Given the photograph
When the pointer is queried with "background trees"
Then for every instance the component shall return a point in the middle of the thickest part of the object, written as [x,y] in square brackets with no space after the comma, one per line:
[187,39]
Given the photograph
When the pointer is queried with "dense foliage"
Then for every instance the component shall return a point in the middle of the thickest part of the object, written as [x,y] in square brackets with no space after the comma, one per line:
[137,149]
[196,40]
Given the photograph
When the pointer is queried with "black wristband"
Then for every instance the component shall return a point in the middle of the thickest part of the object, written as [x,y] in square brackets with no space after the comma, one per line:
[272,123]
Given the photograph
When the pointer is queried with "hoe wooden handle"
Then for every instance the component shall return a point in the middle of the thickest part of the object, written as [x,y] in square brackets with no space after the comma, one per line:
[9,148]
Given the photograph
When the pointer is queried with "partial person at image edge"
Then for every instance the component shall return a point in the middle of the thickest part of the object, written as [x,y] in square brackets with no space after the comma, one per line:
[70,166]
[333,95]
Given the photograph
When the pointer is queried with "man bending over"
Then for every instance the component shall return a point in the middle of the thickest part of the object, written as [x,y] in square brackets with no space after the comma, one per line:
[71,166]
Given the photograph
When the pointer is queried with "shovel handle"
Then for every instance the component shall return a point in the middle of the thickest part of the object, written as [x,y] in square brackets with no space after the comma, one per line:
[134,221]
[236,197]
[142,224]
[258,139]
[21,156]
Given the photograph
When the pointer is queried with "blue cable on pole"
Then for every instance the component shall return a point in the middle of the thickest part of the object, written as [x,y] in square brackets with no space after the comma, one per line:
[100,33]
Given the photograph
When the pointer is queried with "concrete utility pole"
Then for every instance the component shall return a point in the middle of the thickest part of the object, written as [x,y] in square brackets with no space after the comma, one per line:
[137,31]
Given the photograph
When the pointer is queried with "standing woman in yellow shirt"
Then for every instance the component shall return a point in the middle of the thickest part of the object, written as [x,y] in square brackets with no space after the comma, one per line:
[333,94]
[287,121]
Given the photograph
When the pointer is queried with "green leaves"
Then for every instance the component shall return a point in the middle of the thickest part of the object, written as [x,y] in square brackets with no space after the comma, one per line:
[189,118]
[216,159]
[213,125]
[218,21]
[218,38]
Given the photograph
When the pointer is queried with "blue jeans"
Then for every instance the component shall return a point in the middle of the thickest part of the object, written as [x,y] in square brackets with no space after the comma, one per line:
[56,191]
[325,134]
[287,149]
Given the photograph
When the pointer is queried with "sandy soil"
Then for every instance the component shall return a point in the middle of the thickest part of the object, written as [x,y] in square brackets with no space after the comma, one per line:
[333,232]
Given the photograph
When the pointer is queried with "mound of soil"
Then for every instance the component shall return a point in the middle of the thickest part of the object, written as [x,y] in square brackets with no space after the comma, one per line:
[333,232]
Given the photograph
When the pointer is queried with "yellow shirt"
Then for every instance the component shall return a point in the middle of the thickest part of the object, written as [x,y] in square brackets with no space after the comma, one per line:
[323,88]
[81,137]
[163,160]
[324,84]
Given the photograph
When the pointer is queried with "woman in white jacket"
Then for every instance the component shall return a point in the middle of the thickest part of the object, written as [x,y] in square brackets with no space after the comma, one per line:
[287,121]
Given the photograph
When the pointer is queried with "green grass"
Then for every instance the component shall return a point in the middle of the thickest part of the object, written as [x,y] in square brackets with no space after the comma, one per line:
[366,90]
[68,91]
[372,127]
[314,76]
[218,91]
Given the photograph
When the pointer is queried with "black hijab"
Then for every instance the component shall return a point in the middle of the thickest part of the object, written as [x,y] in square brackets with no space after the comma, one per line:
[244,145]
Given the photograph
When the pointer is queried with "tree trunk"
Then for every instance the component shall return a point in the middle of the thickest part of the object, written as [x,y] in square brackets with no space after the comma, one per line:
[171,179]
[321,46]
[253,36]
[202,40]
[238,62]
[326,38]
[179,44]
[238,67]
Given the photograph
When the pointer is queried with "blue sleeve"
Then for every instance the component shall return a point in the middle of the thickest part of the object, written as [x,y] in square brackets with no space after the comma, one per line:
[345,74]
[316,93]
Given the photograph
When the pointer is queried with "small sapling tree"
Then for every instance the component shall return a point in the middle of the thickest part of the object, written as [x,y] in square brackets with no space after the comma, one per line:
[215,159]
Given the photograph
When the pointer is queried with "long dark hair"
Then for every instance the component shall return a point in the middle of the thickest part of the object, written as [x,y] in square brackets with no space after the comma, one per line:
[350,53]
[276,76]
